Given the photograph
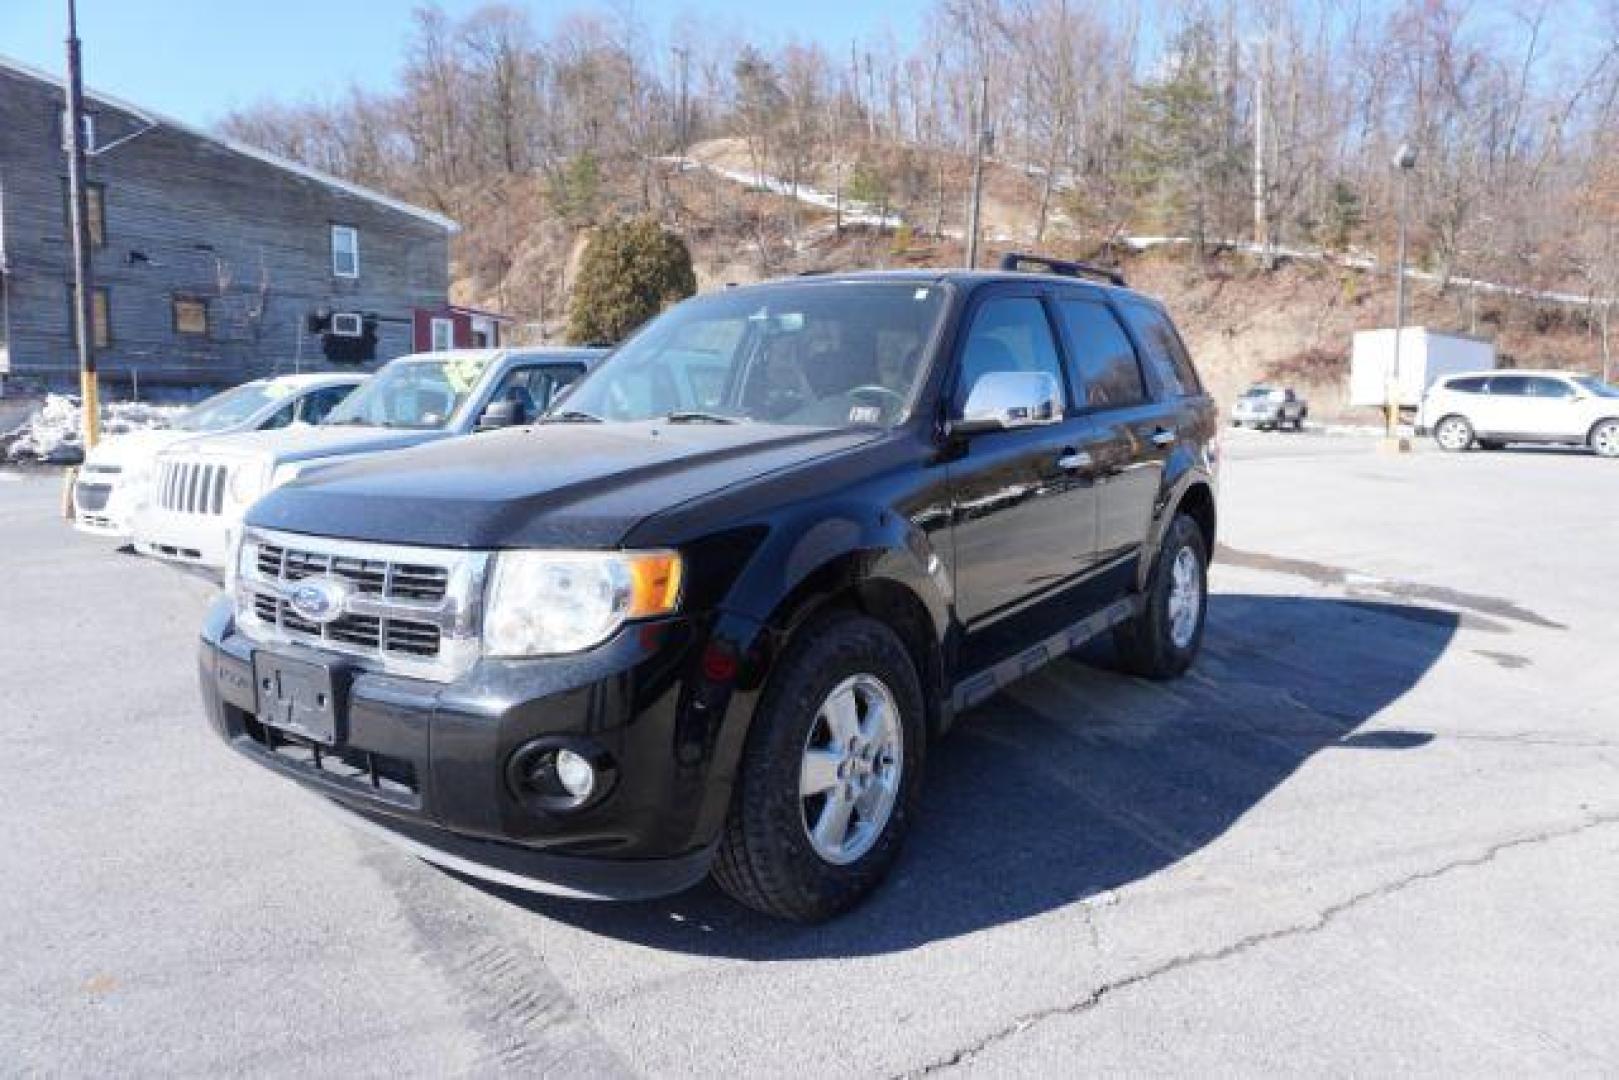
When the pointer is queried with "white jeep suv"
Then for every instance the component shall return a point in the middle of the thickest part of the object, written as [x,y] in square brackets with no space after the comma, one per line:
[1493,408]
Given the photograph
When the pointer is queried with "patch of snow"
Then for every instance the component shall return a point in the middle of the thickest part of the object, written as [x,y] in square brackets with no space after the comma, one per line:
[54,433]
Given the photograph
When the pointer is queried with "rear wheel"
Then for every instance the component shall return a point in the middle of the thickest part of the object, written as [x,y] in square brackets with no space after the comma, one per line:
[829,778]
[1162,640]
[1605,439]
[1453,433]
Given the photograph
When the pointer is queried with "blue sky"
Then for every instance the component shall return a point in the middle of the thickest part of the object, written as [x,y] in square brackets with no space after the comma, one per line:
[198,59]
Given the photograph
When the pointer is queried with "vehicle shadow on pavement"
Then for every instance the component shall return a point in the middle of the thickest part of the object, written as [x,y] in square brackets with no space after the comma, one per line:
[1080,780]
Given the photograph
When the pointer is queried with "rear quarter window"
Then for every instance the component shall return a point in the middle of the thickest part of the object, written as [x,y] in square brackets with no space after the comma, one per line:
[1471,385]
[1162,349]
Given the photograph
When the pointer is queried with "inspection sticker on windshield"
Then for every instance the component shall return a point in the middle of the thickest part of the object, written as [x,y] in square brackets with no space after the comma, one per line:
[920,294]
[865,414]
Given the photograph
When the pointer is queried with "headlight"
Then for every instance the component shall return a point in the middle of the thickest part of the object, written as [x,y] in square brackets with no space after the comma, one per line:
[247,483]
[543,603]
[285,473]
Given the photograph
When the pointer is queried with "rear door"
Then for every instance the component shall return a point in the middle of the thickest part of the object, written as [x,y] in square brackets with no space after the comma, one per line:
[1023,503]
[1111,392]
[1151,430]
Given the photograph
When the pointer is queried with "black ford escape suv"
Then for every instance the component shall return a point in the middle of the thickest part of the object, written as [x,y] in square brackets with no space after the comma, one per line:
[708,614]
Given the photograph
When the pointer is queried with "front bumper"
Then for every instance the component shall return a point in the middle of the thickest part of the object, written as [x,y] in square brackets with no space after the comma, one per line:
[425,764]
[194,538]
[103,506]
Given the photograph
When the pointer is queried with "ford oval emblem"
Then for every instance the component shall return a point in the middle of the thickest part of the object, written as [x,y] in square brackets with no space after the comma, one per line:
[320,600]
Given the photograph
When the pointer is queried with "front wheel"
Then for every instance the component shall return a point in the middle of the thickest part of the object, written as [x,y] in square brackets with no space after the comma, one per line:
[829,778]
[1162,640]
[1453,433]
[1605,439]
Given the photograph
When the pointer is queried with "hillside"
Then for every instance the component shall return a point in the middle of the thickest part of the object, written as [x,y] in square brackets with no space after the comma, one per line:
[1243,324]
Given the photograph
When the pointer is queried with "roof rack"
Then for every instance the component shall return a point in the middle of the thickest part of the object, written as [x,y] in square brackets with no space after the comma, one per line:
[1017,260]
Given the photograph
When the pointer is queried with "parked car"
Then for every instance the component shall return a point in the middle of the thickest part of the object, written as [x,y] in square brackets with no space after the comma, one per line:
[115,479]
[203,487]
[707,616]
[1270,407]
[1492,408]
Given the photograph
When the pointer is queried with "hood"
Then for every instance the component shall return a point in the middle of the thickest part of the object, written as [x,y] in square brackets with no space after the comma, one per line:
[133,449]
[555,485]
[303,442]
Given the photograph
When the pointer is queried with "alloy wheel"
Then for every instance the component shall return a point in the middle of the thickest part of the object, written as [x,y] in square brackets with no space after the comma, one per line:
[1185,597]
[849,777]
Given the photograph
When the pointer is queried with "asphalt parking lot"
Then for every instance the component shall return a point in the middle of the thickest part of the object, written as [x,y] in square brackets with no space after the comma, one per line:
[1375,830]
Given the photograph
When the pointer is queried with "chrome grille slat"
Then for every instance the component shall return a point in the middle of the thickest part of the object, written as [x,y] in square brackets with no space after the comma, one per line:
[192,487]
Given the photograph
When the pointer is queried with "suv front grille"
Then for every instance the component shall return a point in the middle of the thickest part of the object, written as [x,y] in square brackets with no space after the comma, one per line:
[405,609]
[192,487]
[369,577]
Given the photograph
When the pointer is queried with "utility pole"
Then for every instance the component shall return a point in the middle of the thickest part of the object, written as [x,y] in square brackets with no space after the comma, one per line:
[682,121]
[976,197]
[1405,159]
[79,215]
[1261,217]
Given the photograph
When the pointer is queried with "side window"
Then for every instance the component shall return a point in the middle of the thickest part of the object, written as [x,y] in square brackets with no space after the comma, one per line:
[317,404]
[1509,386]
[1166,356]
[1103,362]
[1466,386]
[535,387]
[1550,388]
[1008,334]
[282,417]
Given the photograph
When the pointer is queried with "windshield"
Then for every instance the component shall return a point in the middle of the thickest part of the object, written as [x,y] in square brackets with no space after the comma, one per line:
[412,394]
[231,407]
[812,354]
[1592,385]
[1257,392]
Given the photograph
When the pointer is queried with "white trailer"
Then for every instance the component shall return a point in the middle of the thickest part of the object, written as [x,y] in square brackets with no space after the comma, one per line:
[1425,355]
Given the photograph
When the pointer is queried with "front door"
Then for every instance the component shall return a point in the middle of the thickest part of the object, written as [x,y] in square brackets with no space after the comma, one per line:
[1023,501]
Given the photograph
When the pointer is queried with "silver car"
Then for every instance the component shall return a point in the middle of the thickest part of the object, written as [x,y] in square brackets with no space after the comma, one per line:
[1270,408]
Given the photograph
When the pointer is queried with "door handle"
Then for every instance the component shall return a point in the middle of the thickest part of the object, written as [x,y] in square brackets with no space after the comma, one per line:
[1164,437]
[1074,459]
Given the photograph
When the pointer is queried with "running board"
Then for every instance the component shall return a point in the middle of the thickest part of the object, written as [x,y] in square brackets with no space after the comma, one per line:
[975,688]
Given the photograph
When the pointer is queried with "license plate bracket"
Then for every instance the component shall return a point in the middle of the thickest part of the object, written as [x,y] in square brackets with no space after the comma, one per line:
[299,696]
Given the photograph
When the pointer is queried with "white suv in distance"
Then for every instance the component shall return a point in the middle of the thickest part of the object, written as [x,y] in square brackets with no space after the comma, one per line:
[1493,408]
[116,478]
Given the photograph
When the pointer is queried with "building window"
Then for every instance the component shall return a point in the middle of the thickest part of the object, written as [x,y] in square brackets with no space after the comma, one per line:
[347,324]
[190,315]
[95,213]
[100,317]
[345,251]
[443,335]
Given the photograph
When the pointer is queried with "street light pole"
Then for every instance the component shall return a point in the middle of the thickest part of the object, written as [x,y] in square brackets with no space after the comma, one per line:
[79,214]
[1405,159]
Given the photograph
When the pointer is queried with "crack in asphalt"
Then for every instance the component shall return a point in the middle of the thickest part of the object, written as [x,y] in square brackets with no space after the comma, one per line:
[1321,921]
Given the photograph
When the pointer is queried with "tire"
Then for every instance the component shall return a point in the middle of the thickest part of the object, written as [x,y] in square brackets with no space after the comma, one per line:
[1605,439]
[1453,433]
[767,858]
[1155,644]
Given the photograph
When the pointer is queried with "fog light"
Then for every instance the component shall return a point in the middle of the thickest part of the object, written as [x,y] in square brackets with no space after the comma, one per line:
[576,775]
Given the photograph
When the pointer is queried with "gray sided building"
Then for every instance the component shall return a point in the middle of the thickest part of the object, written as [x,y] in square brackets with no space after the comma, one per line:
[213,262]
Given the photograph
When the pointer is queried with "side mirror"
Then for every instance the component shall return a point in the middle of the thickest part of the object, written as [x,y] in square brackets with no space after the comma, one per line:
[500,414]
[1002,400]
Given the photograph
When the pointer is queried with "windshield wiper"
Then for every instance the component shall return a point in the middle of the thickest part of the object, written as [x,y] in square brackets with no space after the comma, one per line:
[697,416]
[573,416]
